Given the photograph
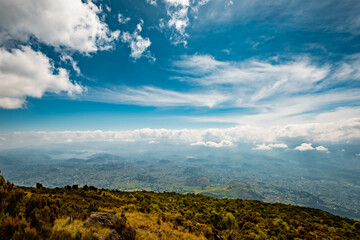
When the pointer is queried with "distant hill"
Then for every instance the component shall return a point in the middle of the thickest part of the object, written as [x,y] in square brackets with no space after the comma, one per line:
[90,213]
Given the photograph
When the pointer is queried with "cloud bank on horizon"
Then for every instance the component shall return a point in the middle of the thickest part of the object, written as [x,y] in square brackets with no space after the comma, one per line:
[270,71]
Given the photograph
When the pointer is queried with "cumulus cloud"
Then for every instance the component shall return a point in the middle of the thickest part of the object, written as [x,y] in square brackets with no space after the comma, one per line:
[269,146]
[308,147]
[73,24]
[27,73]
[122,19]
[178,11]
[322,148]
[223,143]
[137,43]
[305,147]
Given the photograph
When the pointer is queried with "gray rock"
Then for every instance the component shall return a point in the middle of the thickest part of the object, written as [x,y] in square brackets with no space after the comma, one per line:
[101,219]
[113,235]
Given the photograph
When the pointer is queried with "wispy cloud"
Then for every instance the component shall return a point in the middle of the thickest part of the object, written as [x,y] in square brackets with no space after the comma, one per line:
[296,91]
[289,91]
[152,96]
[331,15]
[74,64]
[261,79]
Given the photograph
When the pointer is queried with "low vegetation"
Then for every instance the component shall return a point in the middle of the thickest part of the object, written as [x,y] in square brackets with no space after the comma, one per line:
[60,213]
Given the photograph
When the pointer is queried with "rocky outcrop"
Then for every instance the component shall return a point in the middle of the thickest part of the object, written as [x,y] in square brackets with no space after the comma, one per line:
[103,219]
[114,235]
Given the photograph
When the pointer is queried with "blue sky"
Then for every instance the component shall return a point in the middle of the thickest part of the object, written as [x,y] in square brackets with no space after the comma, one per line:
[182,64]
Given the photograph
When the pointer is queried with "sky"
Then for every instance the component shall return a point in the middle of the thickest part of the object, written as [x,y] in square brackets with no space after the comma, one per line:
[213,73]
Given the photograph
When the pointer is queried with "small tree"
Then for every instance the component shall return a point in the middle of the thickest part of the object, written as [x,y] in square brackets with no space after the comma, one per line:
[39,185]
[229,221]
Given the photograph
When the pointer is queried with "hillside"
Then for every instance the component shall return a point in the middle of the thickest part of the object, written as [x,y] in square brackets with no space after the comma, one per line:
[60,213]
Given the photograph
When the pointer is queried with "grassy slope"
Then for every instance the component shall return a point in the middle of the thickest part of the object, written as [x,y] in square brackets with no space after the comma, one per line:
[59,214]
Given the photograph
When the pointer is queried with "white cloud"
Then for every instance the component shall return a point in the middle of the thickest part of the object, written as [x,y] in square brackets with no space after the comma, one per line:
[122,19]
[152,2]
[299,13]
[322,148]
[349,69]
[67,58]
[277,93]
[262,147]
[258,79]
[305,147]
[269,146]
[223,143]
[295,91]
[228,4]
[308,147]
[26,73]
[73,24]
[358,154]
[178,11]
[151,96]
[278,145]
[255,80]
[137,43]
[346,130]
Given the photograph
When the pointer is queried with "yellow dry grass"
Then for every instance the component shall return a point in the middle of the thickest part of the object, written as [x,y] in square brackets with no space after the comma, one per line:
[77,226]
[147,226]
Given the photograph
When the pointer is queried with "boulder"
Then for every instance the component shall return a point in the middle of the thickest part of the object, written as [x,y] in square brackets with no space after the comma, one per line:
[102,219]
[113,235]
